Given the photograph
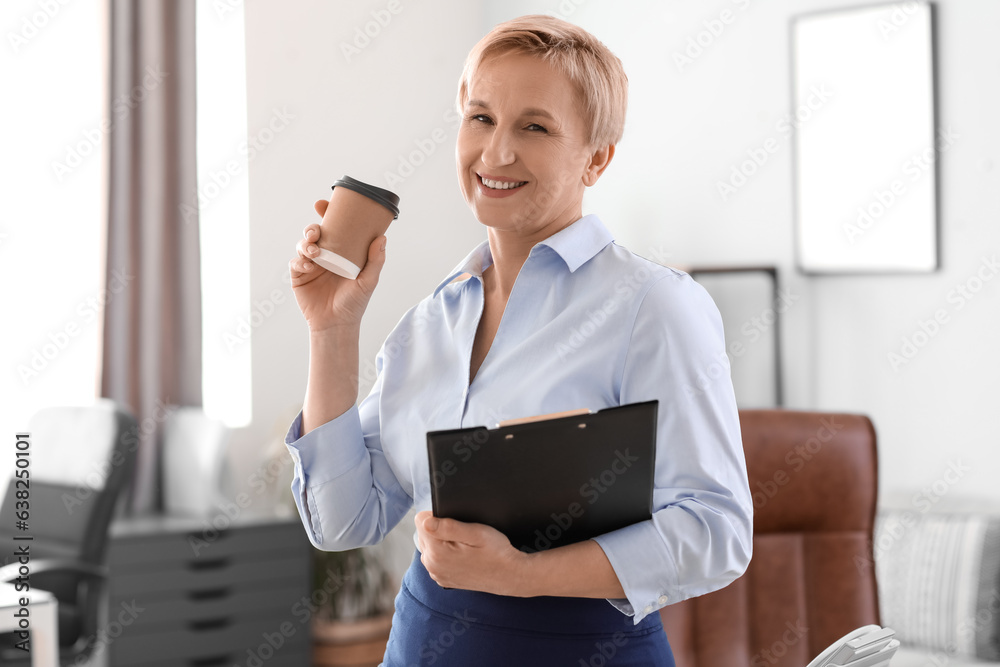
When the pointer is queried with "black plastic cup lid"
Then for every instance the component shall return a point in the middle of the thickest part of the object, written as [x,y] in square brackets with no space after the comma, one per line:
[384,197]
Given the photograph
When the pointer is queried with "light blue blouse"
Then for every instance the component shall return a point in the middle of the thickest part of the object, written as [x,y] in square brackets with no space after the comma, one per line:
[588,324]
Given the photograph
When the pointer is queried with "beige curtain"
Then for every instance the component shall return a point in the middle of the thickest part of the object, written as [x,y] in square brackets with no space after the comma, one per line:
[152,330]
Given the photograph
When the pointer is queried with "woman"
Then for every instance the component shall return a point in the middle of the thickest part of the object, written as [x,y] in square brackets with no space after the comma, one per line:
[549,314]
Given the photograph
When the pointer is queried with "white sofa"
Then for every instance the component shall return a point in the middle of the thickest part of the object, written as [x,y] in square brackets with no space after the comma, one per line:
[937,560]
[910,656]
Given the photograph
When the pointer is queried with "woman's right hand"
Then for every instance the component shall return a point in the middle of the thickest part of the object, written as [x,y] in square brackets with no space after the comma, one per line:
[326,299]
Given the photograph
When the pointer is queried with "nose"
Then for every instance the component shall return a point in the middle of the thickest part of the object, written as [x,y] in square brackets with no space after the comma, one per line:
[499,149]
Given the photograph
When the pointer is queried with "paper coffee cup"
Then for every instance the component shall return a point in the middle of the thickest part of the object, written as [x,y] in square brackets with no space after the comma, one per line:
[358,214]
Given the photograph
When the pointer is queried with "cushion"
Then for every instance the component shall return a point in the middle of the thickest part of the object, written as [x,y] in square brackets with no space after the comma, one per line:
[939,580]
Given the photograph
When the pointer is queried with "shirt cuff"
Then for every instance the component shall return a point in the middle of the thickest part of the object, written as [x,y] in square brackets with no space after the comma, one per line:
[643,573]
[341,442]
[327,451]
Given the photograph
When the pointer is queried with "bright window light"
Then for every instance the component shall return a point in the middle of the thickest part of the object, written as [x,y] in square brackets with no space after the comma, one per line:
[54,76]
[224,211]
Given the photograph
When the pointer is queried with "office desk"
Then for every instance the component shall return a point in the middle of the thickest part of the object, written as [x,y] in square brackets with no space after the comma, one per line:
[44,637]
[210,597]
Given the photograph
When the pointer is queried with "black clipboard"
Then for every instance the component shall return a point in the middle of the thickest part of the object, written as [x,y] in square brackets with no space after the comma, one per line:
[549,482]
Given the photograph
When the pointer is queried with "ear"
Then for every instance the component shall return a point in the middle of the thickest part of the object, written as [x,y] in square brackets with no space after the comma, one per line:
[599,161]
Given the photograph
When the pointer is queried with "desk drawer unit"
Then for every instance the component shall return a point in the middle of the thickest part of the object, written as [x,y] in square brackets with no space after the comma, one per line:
[184,596]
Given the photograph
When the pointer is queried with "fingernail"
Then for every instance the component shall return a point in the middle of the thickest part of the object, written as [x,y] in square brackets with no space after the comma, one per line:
[383,244]
[431,524]
[313,250]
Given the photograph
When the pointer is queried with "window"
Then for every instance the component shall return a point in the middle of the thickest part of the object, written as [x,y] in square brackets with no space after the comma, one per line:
[53,65]
[224,211]
[54,74]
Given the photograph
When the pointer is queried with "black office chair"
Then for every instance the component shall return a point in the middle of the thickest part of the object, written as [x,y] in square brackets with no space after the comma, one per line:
[81,460]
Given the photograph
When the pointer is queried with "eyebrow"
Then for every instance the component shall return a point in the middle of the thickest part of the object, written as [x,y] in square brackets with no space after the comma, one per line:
[527,112]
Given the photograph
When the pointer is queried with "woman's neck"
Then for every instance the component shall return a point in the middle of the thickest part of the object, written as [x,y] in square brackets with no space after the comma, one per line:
[508,258]
[510,249]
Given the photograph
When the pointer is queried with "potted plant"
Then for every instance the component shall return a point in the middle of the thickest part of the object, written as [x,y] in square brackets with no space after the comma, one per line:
[355,592]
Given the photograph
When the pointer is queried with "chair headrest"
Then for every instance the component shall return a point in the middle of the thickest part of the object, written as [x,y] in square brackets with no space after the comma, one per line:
[810,471]
[73,445]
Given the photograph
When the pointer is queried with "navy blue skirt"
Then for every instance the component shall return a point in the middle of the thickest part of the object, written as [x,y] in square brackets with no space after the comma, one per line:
[457,628]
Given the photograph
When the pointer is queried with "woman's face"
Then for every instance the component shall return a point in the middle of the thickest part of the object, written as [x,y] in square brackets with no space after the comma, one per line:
[522,152]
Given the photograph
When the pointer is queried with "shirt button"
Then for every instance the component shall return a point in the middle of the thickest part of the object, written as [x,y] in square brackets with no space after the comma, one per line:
[648,609]
[662,600]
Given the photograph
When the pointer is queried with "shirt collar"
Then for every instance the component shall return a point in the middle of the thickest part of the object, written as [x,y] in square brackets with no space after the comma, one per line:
[473,265]
[576,244]
[580,241]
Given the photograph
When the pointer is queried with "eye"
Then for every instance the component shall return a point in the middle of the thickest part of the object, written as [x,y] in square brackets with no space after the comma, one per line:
[535,127]
[479,118]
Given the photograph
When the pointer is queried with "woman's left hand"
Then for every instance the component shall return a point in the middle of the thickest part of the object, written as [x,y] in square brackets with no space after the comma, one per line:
[469,556]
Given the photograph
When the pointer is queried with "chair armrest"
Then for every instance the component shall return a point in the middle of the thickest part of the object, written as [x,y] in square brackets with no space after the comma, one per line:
[11,572]
[84,645]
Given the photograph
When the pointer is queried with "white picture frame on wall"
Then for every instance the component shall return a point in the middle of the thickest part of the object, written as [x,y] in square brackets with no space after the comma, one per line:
[866,146]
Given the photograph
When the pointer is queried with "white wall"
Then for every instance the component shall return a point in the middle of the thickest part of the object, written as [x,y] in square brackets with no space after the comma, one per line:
[687,128]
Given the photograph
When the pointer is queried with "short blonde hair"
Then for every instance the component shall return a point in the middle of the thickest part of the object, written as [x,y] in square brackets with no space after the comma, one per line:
[595,71]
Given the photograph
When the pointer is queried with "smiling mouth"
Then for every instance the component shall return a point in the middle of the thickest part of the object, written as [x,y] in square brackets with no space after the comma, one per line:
[501,185]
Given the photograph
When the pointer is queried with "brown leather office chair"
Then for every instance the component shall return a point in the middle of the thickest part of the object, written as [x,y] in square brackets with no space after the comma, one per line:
[811,579]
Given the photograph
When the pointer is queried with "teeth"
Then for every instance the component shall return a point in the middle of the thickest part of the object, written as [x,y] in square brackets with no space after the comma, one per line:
[501,185]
